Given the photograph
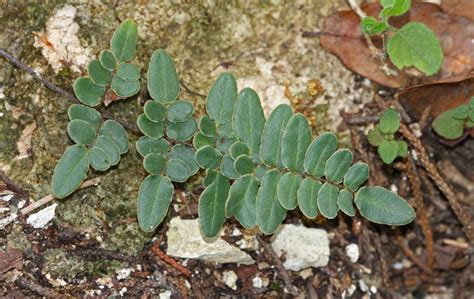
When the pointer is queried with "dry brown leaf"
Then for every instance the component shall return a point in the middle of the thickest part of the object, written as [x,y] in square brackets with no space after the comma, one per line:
[459,7]
[11,259]
[342,36]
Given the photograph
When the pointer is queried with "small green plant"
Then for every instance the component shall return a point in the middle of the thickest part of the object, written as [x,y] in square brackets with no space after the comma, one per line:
[256,169]
[412,45]
[383,137]
[451,123]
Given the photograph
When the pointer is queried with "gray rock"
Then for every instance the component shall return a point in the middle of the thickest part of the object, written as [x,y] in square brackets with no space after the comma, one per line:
[185,241]
[303,247]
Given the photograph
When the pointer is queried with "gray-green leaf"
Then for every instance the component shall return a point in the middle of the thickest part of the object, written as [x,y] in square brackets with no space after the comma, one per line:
[388,151]
[327,200]
[123,88]
[107,144]
[308,197]
[84,113]
[149,128]
[87,92]
[107,60]
[241,201]
[154,163]
[70,171]
[227,168]
[356,176]
[221,99]
[180,111]
[344,202]
[155,111]
[244,165]
[128,72]
[146,145]
[295,142]
[98,159]
[270,213]
[288,189]
[390,121]
[116,132]
[177,170]
[99,75]
[318,153]
[212,206]
[208,157]
[181,131]
[185,154]
[337,165]
[207,126]
[81,132]
[162,80]
[124,40]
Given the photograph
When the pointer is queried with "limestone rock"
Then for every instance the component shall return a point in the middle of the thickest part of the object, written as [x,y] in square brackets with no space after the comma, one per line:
[303,247]
[185,241]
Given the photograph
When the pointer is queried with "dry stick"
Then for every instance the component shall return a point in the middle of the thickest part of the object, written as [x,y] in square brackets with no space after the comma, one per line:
[440,182]
[157,251]
[279,266]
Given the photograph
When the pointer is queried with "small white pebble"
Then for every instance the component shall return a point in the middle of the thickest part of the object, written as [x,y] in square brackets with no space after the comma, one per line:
[414,155]
[123,291]
[165,295]
[373,290]
[257,282]
[397,266]
[352,252]
[351,289]
[236,232]
[123,273]
[230,279]
[394,188]
[363,286]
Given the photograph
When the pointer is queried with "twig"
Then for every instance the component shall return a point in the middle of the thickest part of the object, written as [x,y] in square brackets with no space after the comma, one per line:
[35,287]
[279,266]
[157,251]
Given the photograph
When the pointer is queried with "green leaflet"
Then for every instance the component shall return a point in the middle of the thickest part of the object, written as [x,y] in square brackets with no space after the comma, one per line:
[128,72]
[225,130]
[123,88]
[241,201]
[390,121]
[337,165]
[179,111]
[244,165]
[124,40]
[162,80]
[117,133]
[224,144]
[374,136]
[177,170]
[81,132]
[402,148]
[371,26]
[107,60]
[237,149]
[445,125]
[112,150]
[210,177]
[98,74]
[270,213]
[227,168]
[146,145]
[207,126]
[248,120]
[308,197]
[154,199]
[185,154]
[416,45]
[270,151]
[70,171]
[181,131]
[208,157]
[154,111]
[382,206]
[287,190]
[318,153]
[221,99]
[154,163]
[201,140]
[344,202]
[212,206]
[84,113]
[295,142]
[461,112]
[149,128]
[98,159]
[87,92]
[393,8]
[327,200]
[388,151]
[356,176]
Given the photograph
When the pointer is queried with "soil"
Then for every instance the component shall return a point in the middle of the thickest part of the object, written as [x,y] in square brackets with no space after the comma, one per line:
[93,246]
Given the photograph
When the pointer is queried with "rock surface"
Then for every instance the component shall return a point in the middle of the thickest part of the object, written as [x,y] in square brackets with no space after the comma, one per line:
[303,247]
[185,241]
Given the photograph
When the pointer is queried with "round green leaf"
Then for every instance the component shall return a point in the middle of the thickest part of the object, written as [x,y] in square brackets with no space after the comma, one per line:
[117,133]
[107,60]
[288,189]
[338,165]
[107,144]
[225,130]
[185,154]
[327,200]
[87,92]
[224,144]
[270,213]
[210,177]
[382,206]
[388,151]
[98,159]
[241,201]
[124,89]
[471,115]
[260,171]
[200,140]
[402,148]
[124,40]
[212,206]
[318,153]
[70,171]
[344,202]
[208,157]
[154,111]
[244,165]
[181,131]
[177,170]
[390,121]
[227,168]
[445,125]
[149,128]
[146,145]
[81,132]
[84,113]
[270,150]
[179,111]
[162,80]
[154,163]
[154,199]
[371,26]
[308,197]
[128,72]
[374,136]
[207,126]
[416,45]
[99,75]
[356,176]
[237,149]
[221,99]
[461,112]
[392,8]
[295,142]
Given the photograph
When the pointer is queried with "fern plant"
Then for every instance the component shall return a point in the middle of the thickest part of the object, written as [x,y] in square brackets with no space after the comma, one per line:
[451,123]
[256,169]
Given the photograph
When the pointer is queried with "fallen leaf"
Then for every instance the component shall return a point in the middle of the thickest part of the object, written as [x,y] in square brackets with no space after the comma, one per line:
[459,7]
[11,259]
[343,37]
